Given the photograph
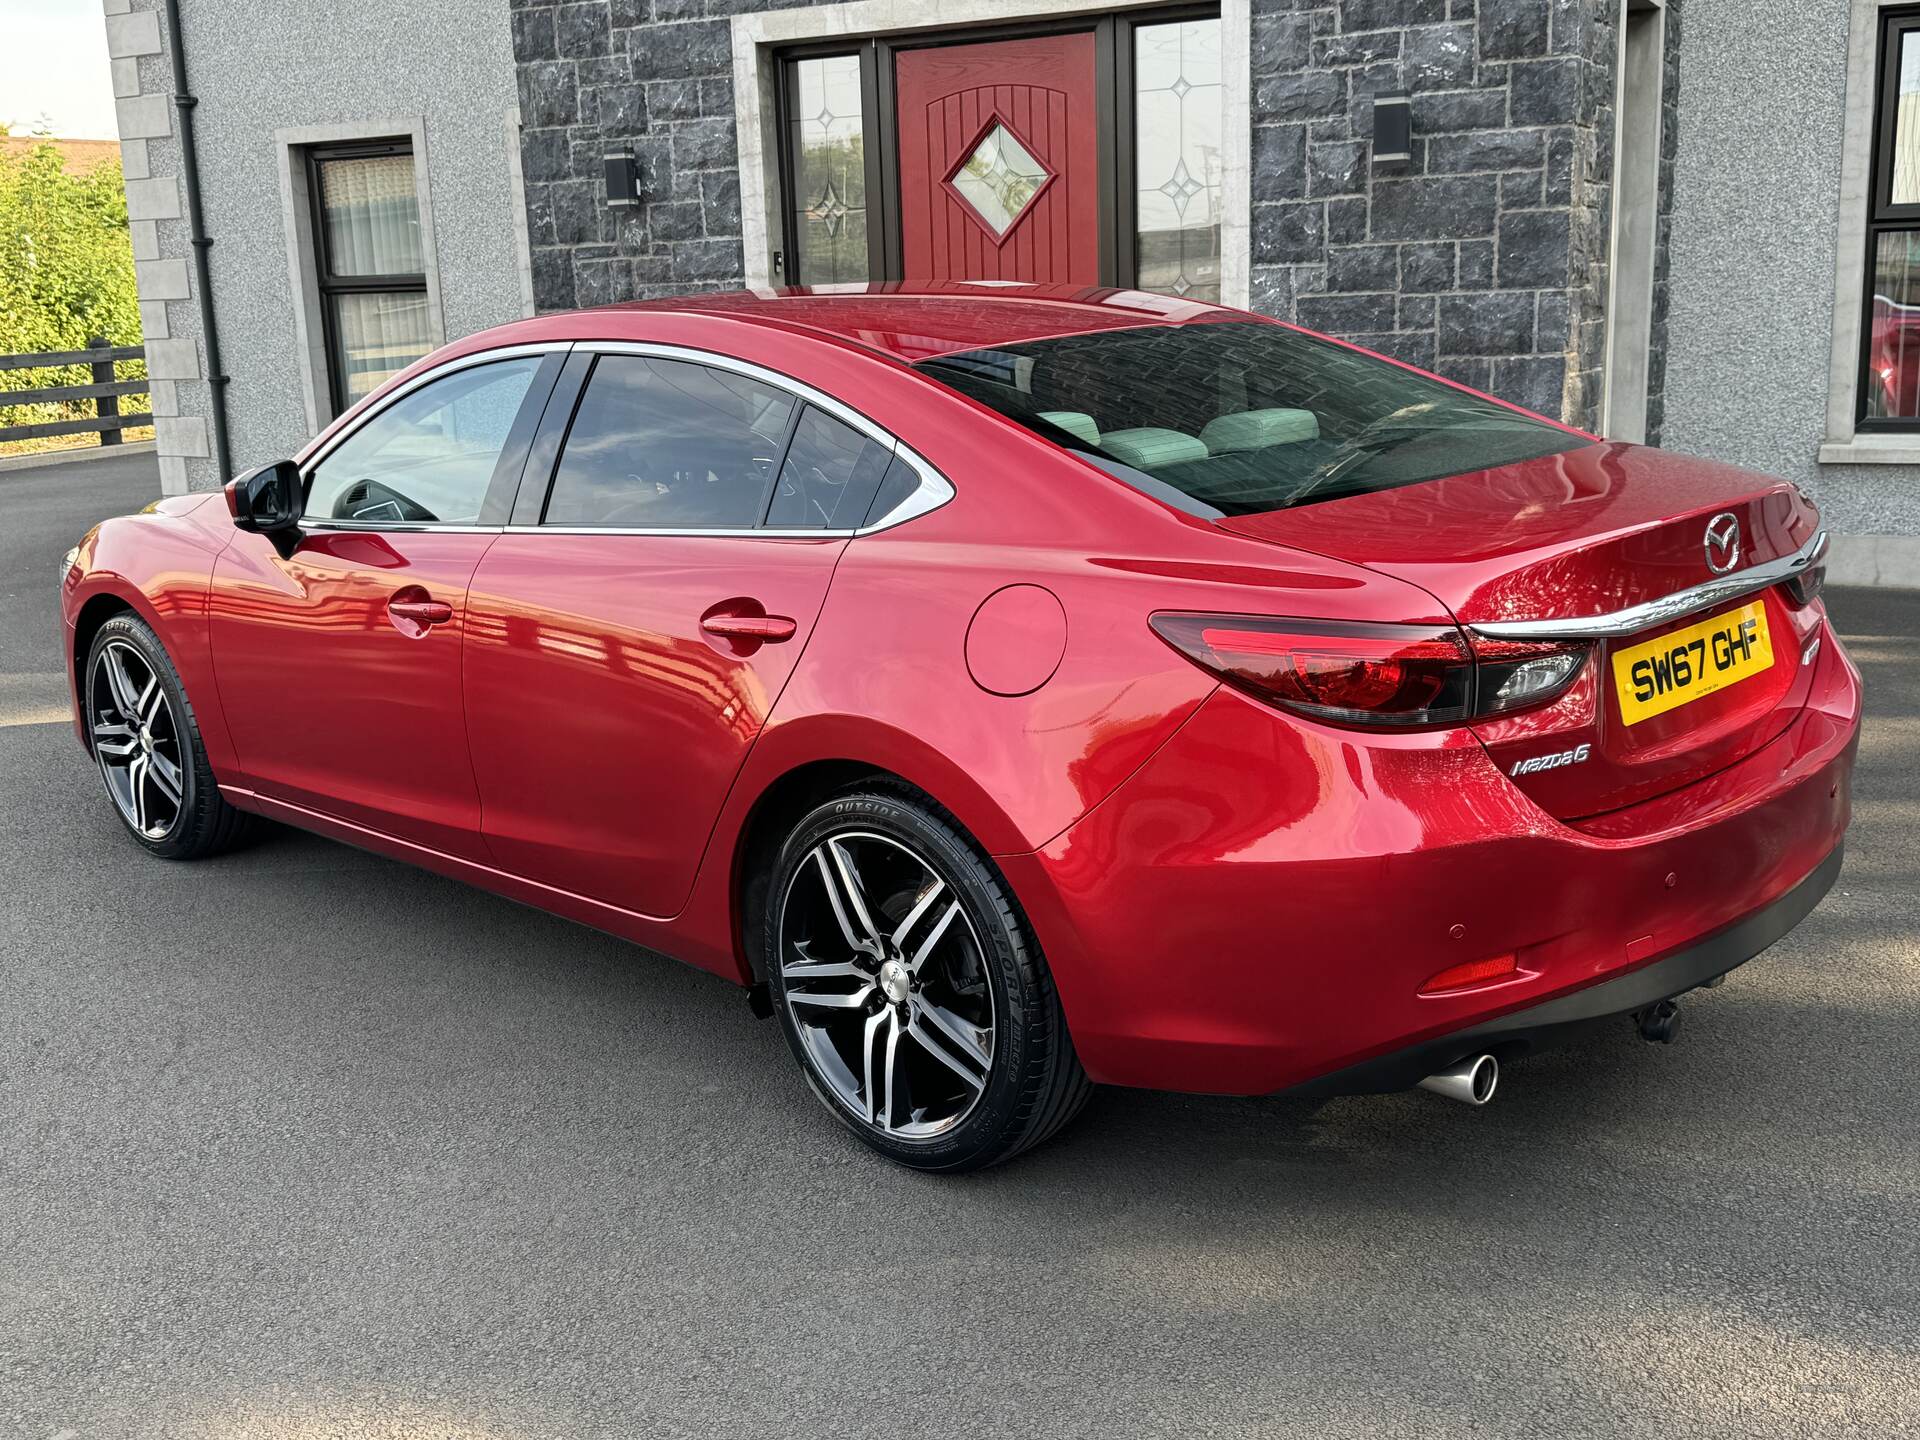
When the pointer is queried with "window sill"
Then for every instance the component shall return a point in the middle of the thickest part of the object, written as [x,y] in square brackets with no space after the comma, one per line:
[1872,450]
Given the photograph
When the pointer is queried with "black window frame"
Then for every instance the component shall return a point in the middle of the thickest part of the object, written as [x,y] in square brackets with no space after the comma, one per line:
[327,283]
[1118,228]
[1883,216]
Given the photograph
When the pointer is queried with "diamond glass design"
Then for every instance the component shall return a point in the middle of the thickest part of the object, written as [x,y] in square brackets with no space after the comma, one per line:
[1000,179]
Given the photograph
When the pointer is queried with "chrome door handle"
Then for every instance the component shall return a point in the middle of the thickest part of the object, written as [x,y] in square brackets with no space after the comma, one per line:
[771,629]
[422,612]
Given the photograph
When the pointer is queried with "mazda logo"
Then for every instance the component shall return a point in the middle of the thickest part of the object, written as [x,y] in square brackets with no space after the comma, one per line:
[1723,542]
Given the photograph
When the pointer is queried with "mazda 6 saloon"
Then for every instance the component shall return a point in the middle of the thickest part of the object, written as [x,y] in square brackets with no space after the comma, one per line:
[1014,690]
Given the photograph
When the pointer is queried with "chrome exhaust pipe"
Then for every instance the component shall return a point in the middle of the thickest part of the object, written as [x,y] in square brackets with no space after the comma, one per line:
[1471,1081]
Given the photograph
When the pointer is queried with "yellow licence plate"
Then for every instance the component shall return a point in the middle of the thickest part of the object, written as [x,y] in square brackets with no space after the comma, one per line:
[1658,676]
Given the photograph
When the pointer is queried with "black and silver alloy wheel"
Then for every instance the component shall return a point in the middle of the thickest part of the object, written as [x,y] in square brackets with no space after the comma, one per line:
[147,742]
[882,976]
[910,988]
[136,740]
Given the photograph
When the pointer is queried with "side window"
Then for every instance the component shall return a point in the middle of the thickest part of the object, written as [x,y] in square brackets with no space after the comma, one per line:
[829,477]
[429,456]
[665,444]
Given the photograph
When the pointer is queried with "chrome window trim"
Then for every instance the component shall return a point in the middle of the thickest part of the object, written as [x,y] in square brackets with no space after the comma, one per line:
[933,491]
[1650,613]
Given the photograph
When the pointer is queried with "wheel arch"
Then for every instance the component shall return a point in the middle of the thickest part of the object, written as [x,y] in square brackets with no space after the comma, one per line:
[95,612]
[798,783]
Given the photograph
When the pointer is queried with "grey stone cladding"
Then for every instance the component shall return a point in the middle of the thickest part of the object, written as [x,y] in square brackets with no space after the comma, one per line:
[1483,258]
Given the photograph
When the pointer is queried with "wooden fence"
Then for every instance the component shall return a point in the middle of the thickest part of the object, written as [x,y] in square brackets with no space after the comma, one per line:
[104,392]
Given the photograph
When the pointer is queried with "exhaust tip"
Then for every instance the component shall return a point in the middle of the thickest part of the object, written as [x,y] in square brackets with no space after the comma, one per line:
[1472,1082]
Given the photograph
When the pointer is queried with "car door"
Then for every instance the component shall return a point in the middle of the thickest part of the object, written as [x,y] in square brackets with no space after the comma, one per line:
[627,641]
[338,653]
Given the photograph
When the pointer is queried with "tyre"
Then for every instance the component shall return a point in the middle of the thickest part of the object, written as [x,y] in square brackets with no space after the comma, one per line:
[911,989]
[147,743]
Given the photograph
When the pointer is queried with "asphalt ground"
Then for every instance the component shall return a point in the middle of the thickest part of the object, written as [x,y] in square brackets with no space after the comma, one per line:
[304,1143]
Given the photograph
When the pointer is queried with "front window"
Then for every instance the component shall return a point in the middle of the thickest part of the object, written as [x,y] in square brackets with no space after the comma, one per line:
[1890,389]
[428,458]
[372,265]
[1238,417]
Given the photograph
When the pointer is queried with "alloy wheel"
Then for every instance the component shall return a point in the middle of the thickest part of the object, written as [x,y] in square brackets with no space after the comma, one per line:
[136,740]
[885,983]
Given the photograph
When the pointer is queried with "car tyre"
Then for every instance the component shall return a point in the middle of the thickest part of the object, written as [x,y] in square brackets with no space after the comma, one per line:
[146,740]
[911,988]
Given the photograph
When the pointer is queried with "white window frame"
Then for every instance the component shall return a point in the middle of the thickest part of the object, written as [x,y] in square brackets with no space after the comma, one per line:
[1844,445]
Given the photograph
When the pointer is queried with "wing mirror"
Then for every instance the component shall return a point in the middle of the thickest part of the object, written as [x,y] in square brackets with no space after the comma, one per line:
[269,500]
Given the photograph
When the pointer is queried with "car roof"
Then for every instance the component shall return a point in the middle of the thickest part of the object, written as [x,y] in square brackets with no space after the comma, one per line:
[917,322]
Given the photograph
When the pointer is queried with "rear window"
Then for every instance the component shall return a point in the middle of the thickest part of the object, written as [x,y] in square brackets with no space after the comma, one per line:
[1239,417]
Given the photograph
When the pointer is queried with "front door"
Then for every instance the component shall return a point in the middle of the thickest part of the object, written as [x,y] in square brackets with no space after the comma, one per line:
[338,656]
[999,161]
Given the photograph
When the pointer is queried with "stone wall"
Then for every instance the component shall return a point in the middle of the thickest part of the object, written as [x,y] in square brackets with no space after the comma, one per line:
[1483,258]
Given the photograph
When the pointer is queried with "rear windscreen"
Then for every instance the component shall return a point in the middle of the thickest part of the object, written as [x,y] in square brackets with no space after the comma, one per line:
[1239,417]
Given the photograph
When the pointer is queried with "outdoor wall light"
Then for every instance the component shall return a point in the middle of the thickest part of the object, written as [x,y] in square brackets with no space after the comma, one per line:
[623,177]
[1392,129]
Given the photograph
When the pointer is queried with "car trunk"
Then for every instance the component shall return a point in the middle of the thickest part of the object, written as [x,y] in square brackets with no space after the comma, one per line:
[1578,534]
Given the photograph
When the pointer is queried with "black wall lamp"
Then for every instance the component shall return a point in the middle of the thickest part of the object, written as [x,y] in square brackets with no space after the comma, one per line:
[1392,129]
[623,177]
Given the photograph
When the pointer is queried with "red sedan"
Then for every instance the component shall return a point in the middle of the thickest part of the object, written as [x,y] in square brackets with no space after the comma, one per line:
[1013,689]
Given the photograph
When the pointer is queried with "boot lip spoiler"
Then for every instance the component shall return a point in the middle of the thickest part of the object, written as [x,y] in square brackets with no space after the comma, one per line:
[1650,613]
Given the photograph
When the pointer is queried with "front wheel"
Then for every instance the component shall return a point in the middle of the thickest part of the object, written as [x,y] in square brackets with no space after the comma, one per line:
[146,741]
[911,990]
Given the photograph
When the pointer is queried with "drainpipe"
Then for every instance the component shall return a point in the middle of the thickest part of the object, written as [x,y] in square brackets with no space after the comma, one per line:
[183,104]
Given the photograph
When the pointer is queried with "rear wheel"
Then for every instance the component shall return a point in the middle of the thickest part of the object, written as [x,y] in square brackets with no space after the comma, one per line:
[911,990]
[147,743]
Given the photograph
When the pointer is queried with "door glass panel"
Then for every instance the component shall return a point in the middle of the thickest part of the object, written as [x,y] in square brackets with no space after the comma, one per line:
[429,456]
[1893,354]
[829,477]
[666,445]
[1906,123]
[372,215]
[1000,178]
[1177,129]
[830,171]
[376,335]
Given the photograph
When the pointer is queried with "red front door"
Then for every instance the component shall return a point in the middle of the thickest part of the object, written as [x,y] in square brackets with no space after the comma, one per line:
[999,161]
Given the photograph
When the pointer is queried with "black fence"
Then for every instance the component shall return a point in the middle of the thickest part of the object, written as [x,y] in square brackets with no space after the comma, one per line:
[104,392]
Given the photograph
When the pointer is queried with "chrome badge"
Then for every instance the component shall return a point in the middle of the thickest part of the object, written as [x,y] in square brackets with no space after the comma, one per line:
[1723,542]
[1554,761]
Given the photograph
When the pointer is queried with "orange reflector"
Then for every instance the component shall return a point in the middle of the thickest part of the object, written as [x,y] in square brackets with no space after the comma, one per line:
[1474,972]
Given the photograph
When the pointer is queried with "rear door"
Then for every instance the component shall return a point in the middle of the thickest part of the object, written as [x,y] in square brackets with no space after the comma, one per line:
[1592,531]
[631,631]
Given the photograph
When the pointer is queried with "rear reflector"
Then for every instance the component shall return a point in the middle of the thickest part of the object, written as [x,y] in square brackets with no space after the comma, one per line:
[1360,674]
[1474,972]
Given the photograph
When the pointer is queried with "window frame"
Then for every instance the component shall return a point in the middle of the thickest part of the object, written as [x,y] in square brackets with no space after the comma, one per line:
[328,284]
[1118,228]
[1883,217]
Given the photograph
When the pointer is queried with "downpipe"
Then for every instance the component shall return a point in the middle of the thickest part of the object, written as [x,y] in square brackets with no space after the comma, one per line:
[1472,1082]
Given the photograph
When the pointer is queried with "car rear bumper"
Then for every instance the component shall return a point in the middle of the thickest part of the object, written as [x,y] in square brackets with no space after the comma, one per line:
[1520,1031]
[1258,907]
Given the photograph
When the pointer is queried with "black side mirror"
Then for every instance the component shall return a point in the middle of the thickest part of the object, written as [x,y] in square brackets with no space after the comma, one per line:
[268,500]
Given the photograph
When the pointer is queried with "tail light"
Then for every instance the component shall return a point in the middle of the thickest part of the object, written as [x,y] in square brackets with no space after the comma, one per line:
[1376,675]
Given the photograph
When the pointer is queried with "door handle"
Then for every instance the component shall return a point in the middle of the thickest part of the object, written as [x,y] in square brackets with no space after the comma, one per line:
[771,629]
[422,612]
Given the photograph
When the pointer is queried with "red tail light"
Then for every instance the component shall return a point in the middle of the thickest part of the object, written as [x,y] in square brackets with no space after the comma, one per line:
[1360,674]
[1474,972]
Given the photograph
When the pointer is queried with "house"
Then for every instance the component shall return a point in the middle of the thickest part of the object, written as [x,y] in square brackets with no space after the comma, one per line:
[1660,221]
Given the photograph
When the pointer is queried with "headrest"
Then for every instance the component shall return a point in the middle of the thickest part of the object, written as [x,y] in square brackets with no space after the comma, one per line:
[1257,429]
[1076,423]
[1150,446]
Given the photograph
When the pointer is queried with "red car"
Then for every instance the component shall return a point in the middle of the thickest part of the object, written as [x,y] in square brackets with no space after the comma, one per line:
[1013,689]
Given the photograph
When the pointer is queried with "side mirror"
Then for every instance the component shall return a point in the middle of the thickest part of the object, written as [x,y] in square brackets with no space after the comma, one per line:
[267,501]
